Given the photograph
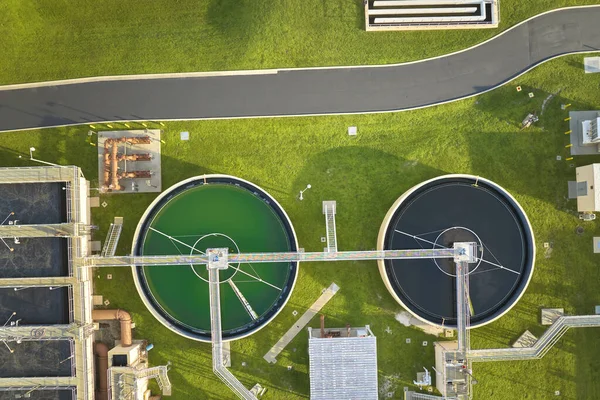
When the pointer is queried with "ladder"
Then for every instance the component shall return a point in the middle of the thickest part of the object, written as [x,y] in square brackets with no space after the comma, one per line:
[112,238]
[329,208]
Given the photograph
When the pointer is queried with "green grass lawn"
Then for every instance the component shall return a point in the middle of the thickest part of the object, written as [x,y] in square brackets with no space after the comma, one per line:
[365,174]
[51,39]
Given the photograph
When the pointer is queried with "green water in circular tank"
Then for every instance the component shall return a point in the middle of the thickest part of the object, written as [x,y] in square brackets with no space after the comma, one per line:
[211,216]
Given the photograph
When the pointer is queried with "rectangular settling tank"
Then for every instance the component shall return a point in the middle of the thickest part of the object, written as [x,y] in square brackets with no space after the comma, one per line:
[35,305]
[48,358]
[39,394]
[34,203]
[34,258]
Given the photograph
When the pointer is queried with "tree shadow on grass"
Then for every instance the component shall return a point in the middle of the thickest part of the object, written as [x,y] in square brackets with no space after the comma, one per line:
[341,10]
[364,182]
[238,22]
[524,161]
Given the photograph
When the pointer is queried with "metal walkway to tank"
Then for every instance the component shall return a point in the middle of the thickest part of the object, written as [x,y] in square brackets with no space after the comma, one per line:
[217,339]
[329,210]
[112,238]
[202,259]
[542,346]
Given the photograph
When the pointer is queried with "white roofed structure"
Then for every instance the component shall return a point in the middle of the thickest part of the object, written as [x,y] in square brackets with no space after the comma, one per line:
[588,179]
[343,364]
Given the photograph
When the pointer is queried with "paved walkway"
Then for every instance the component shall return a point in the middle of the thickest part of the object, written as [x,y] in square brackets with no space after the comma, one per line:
[310,91]
[301,323]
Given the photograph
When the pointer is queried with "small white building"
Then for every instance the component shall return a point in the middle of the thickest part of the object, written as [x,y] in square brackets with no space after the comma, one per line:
[589,131]
[585,188]
[584,135]
[343,364]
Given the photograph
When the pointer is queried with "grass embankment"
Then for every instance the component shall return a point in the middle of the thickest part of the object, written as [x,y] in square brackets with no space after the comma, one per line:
[53,39]
[365,174]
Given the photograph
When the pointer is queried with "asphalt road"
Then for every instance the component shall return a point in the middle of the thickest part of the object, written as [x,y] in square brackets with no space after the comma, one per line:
[302,92]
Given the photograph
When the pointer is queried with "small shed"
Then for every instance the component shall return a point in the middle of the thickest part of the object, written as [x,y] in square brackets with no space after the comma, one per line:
[343,364]
[586,188]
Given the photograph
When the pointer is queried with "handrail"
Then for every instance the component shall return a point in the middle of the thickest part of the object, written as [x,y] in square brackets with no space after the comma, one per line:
[217,340]
[543,344]
[200,259]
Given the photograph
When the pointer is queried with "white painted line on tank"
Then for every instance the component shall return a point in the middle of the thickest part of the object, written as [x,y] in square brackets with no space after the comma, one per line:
[176,240]
[500,266]
[429,233]
[488,249]
[175,244]
[194,249]
[416,237]
[258,279]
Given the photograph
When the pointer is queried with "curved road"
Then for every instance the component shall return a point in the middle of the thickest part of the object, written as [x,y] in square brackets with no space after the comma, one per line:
[309,91]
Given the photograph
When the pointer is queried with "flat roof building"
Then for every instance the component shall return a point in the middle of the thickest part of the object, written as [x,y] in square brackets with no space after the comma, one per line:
[343,364]
[584,134]
[585,188]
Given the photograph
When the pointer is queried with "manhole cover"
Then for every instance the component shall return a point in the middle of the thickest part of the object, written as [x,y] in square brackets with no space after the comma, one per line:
[579,230]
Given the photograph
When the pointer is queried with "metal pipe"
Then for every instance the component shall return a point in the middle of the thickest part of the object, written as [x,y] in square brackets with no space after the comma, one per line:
[101,351]
[322,325]
[122,316]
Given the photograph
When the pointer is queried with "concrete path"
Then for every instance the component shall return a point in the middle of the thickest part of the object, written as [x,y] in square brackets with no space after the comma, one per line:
[310,91]
[301,323]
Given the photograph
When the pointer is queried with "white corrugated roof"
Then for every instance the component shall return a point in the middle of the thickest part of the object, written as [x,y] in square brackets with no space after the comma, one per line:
[343,368]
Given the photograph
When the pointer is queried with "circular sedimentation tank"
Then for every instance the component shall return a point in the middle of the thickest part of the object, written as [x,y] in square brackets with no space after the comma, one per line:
[215,211]
[449,209]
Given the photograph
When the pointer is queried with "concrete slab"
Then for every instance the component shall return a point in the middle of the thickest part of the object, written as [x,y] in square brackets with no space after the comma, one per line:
[407,319]
[575,137]
[596,244]
[527,339]
[95,246]
[134,185]
[301,323]
[97,300]
[549,315]
[591,65]
[227,354]
[94,202]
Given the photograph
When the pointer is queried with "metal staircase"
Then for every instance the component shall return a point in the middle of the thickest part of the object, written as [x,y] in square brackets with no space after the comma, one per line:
[424,396]
[543,344]
[112,238]
[329,208]
[161,375]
